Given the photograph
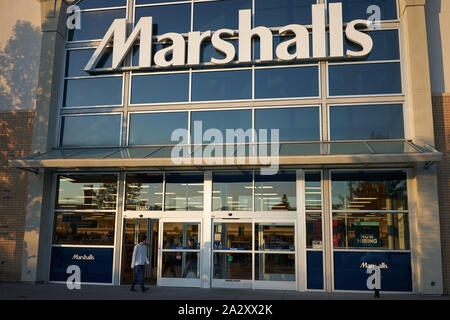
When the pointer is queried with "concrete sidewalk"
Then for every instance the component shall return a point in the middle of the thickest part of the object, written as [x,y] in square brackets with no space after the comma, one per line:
[25,291]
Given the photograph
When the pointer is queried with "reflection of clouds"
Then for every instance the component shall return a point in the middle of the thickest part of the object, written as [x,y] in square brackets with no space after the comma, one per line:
[19,66]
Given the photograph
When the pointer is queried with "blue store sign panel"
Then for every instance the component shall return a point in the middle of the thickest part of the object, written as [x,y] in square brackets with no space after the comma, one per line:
[350,270]
[96,264]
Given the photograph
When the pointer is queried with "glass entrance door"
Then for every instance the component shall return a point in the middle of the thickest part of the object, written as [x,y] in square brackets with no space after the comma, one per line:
[254,254]
[180,244]
[133,230]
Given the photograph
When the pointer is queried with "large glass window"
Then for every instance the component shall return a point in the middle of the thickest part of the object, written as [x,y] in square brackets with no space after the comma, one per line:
[76,61]
[358,9]
[294,124]
[364,79]
[91,131]
[269,13]
[371,230]
[155,128]
[94,4]
[93,92]
[86,192]
[220,120]
[232,191]
[144,192]
[222,85]
[84,228]
[172,18]
[366,122]
[95,24]
[286,82]
[385,45]
[275,192]
[369,190]
[370,210]
[160,88]
[184,192]
[217,15]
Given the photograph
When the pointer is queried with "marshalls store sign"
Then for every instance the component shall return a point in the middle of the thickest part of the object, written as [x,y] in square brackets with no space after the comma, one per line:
[175,55]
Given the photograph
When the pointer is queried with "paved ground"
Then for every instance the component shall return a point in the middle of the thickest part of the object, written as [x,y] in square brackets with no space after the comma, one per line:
[21,291]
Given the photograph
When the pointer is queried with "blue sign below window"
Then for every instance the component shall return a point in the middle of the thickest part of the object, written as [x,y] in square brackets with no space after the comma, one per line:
[315,270]
[96,264]
[350,270]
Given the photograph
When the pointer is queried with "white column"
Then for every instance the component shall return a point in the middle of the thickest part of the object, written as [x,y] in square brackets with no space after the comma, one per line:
[301,233]
[205,253]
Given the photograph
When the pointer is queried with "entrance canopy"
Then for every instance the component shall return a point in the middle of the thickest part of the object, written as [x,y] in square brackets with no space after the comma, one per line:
[238,155]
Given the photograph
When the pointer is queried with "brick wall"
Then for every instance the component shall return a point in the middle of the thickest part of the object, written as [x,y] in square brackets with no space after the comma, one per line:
[441,113]
[16,132]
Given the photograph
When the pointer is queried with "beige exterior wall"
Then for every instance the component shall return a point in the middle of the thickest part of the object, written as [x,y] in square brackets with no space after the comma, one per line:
[438,27]
[20,47]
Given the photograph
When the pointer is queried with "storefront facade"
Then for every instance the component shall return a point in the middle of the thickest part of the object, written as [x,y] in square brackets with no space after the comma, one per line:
[355,181]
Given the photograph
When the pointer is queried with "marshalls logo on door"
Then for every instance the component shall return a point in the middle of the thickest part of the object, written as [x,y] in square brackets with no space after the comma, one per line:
[175,55]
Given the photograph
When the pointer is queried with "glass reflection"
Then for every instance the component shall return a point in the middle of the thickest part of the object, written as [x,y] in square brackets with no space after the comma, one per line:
[172,18]
[274,237]
[275,267]
[184,192]
[233,236]
[77,60]
[177,235]
[155,128]
[93,92]
[91,131]
[232,191]
[357,9]
[95,24]
[366,122]
[388,231]
[232,266]
[221,120]
[294,124]
[275,192]
[287,82]
[180,265]
[378,190]
[144,192]
[219,14]
[351,79]
[94,4]
[222,85]
[279,13]
[84,228]
[87,192]
[160,88]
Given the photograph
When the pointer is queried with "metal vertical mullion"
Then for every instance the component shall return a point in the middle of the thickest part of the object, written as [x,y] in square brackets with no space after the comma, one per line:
[301,235]
[206,233]
[164,193]
[118,234]
[328,232]
[253,254]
